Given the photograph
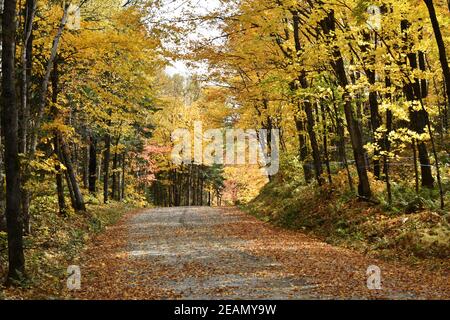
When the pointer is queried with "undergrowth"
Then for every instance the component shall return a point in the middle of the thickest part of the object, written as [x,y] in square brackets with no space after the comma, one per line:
[412,227]
[55,243]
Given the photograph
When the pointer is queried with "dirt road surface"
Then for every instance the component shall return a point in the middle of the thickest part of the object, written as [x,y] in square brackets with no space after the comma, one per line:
[213,253]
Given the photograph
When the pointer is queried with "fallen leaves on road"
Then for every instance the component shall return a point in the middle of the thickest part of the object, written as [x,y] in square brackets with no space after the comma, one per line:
[313,269]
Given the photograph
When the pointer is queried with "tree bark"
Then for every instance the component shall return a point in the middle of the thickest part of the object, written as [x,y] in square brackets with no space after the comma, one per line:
[115,189]
[85,167]
[415,91]
[106,159]
[375,119]
[59,175]
[45,81]
[303,148]
[16,258]
[79,201]
[308,106]
[325,143]
[364,191]
[26,61]
[441,46]
[122,186]
[59,180]
[92,165]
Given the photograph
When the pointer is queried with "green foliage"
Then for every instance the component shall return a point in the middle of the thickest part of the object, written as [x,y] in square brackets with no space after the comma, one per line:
[57,241]
[412,226]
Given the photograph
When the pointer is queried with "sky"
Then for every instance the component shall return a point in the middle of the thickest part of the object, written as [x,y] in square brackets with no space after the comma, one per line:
[174,9]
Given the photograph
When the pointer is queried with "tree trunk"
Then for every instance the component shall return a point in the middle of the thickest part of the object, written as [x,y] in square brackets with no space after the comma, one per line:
[106,158]
[122,187]
[79,201]
[85,167]
[26,61]
[325,143]
[189,185]
[375,119]
[24,111]
[307,104]
[387,143]
[414,91]
[59,175]
[59,180]
[115,189]
[441,46]
[45,81]
[2,188]
[341,144]
[313,141]
[93,165]
[303,148]
[328,25]
[10,132]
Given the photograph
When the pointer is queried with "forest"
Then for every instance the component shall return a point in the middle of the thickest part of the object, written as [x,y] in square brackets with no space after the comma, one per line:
[359,91]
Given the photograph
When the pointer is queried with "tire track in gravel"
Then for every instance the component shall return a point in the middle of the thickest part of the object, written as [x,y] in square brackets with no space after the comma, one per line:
[211,253]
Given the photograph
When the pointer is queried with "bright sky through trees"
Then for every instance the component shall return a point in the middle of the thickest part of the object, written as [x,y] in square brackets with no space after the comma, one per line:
[176,10]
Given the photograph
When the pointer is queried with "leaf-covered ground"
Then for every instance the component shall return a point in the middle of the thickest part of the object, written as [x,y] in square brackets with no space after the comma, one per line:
[195,253]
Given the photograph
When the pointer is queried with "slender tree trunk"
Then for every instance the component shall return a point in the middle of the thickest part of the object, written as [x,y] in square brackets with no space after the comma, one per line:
[2,186]
[436,159]
[341,145]
[24,111]
[85,167]
[79,201]
[106,159]
[446,111]
[45,82]
[307,105]
[115,190]
[93,165]
[325,143]
[314,144]
[59,180]
[387,144]
[416,170]
[441,46]
[69,184]
[364,190]
[189,185]
[414,91]
[201,191]
[122,193]
[10,133]
[303,148]
[27,63]
[375,119]
[388,179]
[59,175]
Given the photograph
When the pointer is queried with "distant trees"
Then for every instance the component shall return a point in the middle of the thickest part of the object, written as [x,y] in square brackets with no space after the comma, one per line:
[189,185]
